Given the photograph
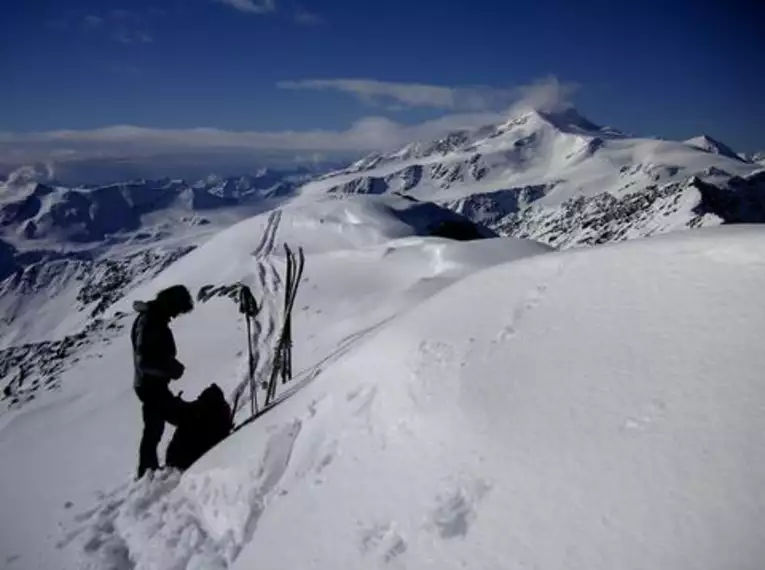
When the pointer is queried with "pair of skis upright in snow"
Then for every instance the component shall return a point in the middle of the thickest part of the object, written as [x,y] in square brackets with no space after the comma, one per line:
[283,356]
[282,361]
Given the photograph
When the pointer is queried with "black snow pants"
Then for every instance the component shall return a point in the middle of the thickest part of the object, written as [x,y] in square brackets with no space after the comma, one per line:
[158,406]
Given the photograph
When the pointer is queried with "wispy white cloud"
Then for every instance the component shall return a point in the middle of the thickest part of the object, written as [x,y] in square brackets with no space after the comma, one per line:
[306,18]
[142,145]
[368,134]
[372,91]
[399,96]
[385,93]
[546,94]
[251,6]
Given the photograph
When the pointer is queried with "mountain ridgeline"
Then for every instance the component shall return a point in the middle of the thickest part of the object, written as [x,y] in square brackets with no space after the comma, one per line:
[556,178]
[560,179]
[36,210]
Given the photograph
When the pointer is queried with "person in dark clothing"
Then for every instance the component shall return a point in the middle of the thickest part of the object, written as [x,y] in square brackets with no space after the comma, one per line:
[155,365]
[205,423]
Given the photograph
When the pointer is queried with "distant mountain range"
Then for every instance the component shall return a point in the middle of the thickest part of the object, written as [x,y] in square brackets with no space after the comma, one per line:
[88,245]
[556,178]
[49,212]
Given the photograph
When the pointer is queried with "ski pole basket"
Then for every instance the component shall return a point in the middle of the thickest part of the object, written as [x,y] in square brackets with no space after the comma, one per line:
[247,304]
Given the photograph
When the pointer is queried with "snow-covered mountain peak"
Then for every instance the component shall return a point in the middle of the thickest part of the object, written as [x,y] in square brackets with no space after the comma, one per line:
[709,144]
[574,178]
[568,120]
[565,120]
[523,131]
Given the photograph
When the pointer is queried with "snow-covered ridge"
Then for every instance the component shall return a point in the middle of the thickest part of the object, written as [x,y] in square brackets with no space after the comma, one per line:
[707,143]
[49,301]
[535,408]
[606,218]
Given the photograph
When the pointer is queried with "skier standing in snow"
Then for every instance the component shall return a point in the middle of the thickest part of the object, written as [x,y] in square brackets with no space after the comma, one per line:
[156,365]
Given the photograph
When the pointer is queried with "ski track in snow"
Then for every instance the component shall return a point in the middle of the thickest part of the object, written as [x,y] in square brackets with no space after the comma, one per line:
[267,326]
[344,346]
[309,374]
[268,285]
[267,242]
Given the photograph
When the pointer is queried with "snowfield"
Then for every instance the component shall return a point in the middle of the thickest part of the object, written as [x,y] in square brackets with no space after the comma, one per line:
[484,404]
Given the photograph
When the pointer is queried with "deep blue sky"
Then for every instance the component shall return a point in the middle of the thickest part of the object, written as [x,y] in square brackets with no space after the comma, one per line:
[666,68]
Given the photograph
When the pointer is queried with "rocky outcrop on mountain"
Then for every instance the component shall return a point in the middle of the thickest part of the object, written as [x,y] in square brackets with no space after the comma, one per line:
[656,209]
[33,292]
[30,368]
[109,279]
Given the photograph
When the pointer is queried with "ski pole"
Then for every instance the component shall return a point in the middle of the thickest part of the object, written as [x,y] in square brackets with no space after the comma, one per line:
[253,407]
[249,308]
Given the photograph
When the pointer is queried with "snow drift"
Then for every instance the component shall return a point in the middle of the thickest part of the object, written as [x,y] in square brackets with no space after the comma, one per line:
[68,446]
[576,410]
[597,408]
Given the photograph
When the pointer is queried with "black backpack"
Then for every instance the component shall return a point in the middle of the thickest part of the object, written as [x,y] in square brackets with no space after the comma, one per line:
[205,423]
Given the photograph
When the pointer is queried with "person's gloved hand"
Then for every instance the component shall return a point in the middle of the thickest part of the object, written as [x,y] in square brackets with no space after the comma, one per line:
[176,370]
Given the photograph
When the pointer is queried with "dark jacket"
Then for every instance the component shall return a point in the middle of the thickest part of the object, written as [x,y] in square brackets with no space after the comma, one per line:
[154,352]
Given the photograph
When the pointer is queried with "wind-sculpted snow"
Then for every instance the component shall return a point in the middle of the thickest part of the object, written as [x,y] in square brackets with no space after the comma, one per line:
[553,412]
[366,265]
[195,522]
[574,409]
[445,433]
